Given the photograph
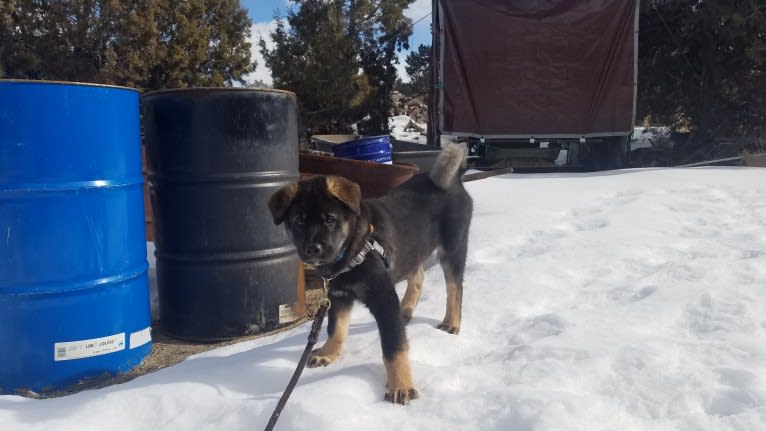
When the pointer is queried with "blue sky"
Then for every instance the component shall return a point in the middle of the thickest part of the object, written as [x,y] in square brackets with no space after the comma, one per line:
[263,10]
[262,14]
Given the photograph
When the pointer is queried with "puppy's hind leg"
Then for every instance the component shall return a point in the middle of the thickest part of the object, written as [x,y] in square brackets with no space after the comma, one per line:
[453,264]
[412,295]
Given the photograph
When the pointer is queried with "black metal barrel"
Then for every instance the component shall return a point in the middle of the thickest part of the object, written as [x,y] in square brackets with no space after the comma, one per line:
[214,156]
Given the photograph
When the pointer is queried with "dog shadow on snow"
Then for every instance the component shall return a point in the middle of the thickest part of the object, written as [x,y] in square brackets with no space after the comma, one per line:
[263,372]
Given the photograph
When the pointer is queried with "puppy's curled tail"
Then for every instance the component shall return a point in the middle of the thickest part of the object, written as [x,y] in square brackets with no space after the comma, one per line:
[447,166]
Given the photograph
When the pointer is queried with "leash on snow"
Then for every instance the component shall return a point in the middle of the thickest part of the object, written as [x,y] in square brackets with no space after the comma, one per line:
[324,305]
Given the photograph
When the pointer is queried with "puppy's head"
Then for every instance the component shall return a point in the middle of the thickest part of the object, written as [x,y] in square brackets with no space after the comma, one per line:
[319,214]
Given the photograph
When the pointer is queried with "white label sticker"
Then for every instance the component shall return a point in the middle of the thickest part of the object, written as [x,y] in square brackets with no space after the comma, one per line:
[287,314]
[86,348]
[139,338]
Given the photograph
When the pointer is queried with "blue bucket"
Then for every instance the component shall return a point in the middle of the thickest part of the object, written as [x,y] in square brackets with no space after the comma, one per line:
[74,297]
[371,149]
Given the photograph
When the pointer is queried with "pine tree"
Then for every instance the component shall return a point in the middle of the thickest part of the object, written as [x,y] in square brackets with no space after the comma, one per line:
[19,56]
[339,57]
[149,44]
[385,32]
[315,58]
[701,66]
[418,66]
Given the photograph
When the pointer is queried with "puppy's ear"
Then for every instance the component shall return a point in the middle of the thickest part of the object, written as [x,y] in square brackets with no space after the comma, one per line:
[345,191]
[280,201]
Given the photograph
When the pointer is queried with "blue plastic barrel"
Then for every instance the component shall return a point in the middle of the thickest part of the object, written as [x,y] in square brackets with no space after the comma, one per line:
[74,300]
[371,148]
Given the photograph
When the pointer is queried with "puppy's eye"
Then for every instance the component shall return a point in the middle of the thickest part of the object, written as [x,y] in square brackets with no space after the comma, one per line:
[329,218]
[299,221]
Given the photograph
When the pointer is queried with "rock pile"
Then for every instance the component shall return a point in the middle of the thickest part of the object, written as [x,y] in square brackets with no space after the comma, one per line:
[414,107]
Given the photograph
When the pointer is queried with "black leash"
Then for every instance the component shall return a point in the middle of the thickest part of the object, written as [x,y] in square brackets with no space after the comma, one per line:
[324,305]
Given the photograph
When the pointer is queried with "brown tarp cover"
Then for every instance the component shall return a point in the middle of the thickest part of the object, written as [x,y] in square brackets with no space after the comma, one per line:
[537,67]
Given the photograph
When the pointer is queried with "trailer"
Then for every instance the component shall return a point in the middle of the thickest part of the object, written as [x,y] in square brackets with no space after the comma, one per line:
[520,79]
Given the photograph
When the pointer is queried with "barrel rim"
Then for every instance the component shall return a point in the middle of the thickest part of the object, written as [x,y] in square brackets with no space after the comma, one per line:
[68,83]
[364,141]
[219,90]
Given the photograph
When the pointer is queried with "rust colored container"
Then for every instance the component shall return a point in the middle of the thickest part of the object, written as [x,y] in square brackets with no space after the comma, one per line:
[375,179]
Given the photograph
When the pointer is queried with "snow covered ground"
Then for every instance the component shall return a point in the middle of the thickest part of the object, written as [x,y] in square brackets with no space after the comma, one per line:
[651,137]
[405,128]
[630,300]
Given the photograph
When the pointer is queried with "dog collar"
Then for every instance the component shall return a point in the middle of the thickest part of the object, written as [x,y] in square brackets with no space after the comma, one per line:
[370,244]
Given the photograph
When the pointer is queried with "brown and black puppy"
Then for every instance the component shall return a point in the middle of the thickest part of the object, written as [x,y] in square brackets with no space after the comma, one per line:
[330,224]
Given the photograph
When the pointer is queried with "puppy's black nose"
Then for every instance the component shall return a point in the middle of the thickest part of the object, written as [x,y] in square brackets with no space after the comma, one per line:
[314,250]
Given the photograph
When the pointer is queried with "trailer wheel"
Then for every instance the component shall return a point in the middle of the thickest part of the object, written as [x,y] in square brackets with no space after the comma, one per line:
[617,152]
[589,155]
[606,154]
[576,153]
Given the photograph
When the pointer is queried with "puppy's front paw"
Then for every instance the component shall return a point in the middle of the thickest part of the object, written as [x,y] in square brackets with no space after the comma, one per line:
[318,359]
[450,329]
[401,395]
